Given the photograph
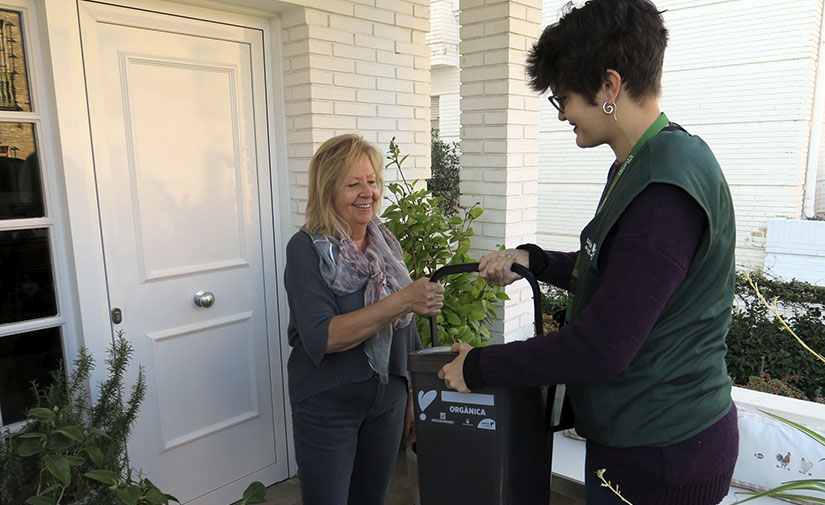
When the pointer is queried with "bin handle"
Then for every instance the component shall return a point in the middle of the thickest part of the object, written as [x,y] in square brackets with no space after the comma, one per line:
[473,267]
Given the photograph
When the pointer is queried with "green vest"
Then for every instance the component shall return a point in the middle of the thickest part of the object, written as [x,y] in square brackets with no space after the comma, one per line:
[677,385]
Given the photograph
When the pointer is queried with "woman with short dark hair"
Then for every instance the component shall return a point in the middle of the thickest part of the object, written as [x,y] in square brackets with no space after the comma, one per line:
[643,348]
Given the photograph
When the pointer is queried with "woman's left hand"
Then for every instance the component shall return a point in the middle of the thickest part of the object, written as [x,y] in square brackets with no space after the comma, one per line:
[408,435]
[453,372]
[496,266]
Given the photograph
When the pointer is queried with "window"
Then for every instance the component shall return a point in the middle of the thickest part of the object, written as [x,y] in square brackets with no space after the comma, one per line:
[32,321]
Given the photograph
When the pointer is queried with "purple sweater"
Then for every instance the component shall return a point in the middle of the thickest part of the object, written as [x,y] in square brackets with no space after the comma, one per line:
[644,258]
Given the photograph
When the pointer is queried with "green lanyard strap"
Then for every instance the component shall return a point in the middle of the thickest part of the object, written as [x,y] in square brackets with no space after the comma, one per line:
[651,131]
[661,122]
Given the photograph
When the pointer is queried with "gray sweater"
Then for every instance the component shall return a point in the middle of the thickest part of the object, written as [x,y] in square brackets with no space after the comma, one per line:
[312,305]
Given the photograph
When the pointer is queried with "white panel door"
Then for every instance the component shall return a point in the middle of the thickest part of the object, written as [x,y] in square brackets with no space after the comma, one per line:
[180,149]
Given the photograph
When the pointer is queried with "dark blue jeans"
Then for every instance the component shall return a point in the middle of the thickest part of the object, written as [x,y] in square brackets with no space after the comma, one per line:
[347,440]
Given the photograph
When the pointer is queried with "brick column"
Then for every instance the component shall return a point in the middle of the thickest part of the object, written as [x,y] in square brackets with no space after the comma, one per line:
[499,139]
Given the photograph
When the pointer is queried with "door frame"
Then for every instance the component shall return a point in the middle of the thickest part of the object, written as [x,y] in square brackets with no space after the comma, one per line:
[75,156]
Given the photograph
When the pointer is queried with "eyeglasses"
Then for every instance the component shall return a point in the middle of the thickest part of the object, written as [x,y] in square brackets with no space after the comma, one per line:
[558,102]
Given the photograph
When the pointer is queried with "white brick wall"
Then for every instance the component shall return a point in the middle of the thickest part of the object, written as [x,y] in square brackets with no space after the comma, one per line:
[499,134]
[443,40]
[738,73]
[445,85]
[350,67]
[443,37]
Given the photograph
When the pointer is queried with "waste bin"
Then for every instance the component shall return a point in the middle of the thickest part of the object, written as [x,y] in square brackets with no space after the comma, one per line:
[492,446]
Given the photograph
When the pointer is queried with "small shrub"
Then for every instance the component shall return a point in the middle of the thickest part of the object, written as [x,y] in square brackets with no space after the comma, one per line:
[71,451]
[446,168]
[429,240]
[757,342]
[553,306]
[782,387]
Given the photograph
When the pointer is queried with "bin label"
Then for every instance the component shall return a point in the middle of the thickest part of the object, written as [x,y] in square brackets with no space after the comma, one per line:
[425,399]
[471,398]
[487,424]
[462,410]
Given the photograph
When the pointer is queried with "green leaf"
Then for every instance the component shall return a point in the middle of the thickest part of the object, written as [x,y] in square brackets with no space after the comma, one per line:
[129,494]
[805,485]
[104,476]
[29,448]
[95,454]
[41,413]
[74,460]
[33,434]
[97,432]
[40,500]
[71,432]
[155,497]
[475,213]
[255,493]
[800,497]
[51,488]
[59,467]
[814,435]
[59,442]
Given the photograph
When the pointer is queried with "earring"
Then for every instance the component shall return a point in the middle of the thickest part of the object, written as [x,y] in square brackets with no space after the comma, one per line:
[610,109]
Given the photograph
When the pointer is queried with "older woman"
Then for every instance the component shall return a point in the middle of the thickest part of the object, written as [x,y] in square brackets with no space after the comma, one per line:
[351,302]
[652,285]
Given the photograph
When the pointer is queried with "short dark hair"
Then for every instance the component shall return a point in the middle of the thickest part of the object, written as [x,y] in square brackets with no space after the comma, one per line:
[573,54]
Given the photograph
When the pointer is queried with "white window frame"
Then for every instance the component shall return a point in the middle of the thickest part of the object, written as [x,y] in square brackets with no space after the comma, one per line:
[34,52]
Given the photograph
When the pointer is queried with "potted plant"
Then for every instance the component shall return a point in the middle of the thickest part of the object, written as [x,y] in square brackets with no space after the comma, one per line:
[72,451]
[431,239]
[433,232]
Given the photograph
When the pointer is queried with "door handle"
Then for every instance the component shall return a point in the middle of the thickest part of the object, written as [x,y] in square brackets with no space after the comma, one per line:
[204,299]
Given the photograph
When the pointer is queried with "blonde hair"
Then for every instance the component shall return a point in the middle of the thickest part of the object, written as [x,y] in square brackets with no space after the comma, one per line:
[327,170]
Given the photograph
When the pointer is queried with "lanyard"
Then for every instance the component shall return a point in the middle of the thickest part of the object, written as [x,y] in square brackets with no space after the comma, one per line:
[651,131]
[657,126]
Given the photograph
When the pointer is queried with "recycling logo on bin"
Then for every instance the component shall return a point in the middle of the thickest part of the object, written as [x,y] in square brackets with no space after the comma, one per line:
[468,410]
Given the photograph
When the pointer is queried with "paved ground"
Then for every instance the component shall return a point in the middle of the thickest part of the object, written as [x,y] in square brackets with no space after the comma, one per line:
[288,492]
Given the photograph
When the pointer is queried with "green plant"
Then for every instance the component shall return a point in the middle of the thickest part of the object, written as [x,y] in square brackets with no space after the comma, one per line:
[789,490]
[609,485]
[553,306]
[429,240]
[70,451]
[255,493]
[446,168]
[782,387]
[758,341]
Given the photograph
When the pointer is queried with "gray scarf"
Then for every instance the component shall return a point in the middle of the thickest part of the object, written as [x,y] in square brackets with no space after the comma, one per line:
[380,269]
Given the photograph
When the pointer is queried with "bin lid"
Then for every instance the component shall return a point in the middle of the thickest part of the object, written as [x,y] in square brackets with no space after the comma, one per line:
[430,360]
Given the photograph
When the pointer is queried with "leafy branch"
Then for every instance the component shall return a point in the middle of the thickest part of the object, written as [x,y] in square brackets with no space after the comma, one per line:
[773,308]
[606,483]
[431,239]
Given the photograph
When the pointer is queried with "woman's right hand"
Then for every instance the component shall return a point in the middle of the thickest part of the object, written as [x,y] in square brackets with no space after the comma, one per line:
[495,267]
[425,298]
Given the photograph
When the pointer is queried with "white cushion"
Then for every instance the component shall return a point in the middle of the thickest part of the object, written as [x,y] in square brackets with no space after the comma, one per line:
[772,453]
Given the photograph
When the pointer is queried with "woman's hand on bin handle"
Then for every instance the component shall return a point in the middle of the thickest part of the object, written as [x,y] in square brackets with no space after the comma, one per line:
[496,266]
[453,372]
[424,297]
